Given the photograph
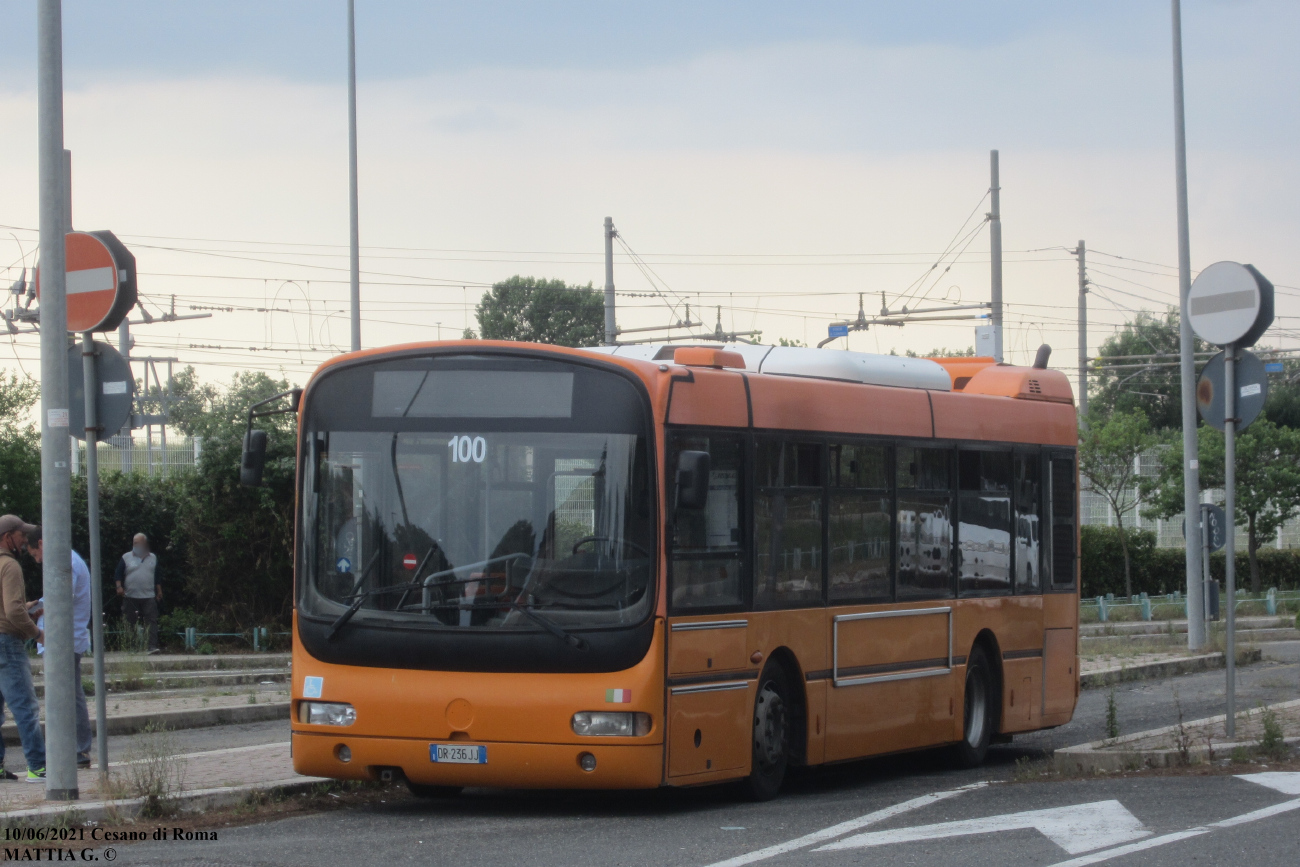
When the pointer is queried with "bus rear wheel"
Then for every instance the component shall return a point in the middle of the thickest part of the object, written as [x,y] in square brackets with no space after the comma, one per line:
[423,791]
[980,714]
[771,735]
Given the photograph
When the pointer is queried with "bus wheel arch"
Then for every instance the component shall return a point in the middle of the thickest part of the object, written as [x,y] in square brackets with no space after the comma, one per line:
[785,657]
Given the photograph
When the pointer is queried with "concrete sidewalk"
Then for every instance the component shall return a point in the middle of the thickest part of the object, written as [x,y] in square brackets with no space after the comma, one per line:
[207,779]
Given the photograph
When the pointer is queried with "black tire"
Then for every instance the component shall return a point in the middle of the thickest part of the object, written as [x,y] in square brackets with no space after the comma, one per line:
[980,703]
[423,791]
[771,735]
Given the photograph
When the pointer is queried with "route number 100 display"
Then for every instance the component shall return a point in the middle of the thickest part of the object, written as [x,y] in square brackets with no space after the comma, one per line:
[464,450]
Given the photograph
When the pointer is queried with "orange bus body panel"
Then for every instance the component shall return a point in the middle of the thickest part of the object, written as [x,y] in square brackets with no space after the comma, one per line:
[795,403]
[715,398]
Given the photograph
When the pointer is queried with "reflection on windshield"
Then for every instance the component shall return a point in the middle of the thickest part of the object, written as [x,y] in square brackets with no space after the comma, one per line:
[465,529]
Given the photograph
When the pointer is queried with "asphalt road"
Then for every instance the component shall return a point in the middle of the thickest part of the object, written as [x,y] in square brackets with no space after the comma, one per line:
[894,811]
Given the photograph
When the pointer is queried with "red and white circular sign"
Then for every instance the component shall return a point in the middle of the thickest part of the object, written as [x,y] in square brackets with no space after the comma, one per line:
[410,562]
[100,281]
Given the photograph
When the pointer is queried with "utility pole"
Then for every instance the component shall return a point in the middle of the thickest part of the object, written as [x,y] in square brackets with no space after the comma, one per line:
[1230,518]
[1081,252]
[611,330]
[1186,345]
[56,481]
[995,252]
[354,230]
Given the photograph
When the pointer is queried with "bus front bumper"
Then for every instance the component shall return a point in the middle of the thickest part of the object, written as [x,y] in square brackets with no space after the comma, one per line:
[508,765]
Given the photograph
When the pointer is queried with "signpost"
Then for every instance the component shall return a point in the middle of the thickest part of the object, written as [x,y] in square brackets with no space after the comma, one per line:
[100,292]
[1231,305]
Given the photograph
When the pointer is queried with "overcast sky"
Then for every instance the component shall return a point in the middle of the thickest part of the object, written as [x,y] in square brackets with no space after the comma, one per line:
[774,159]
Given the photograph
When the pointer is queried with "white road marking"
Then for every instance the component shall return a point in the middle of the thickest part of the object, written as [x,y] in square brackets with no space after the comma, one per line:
[1244,818]
[1288,783]
[1077,828]
[843,827]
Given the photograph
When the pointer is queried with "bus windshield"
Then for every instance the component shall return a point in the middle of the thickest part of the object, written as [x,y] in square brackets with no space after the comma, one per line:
[451,521]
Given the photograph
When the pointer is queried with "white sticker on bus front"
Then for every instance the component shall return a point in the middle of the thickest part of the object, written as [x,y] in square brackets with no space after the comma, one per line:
[312,686]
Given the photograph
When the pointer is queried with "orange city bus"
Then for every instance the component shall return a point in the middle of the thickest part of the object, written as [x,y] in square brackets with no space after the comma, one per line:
[531,566]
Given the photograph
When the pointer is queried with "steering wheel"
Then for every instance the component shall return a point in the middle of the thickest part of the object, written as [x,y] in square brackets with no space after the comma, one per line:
[624,542]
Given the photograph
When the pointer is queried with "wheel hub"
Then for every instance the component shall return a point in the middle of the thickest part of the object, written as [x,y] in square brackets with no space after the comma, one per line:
[769,727]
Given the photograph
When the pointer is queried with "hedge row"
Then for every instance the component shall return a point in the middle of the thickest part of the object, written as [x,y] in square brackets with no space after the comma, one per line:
[1157,571]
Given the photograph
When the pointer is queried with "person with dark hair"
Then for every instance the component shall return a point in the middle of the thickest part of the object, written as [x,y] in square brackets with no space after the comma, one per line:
[80,636]
[140,585]
[16,627]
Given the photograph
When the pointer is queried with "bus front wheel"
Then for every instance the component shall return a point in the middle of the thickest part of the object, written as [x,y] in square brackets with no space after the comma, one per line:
[980,714]
[771,734]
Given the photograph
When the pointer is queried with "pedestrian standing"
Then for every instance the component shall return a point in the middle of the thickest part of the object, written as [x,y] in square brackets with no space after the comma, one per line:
[16,627]
[139,583]
[80,636]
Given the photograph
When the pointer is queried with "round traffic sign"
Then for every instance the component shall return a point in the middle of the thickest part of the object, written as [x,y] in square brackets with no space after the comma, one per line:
[100,281]
[410,562]
[114,394]
[1252,390]
[1230,303]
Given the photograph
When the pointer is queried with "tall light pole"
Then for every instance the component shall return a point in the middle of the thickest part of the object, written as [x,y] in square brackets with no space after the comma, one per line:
[995,252]
[1187,369]
[56,479]
[1081,252]
[355,232]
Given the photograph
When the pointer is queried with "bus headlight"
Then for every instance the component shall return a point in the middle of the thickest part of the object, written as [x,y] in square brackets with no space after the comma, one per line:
[593,723]
[324,713]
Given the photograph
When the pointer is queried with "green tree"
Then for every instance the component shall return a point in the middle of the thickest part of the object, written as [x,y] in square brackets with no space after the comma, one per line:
[542,311]
[20,449]
[239,541]
[1268,481]
[1283,404]
[1122,383]
[1108,452]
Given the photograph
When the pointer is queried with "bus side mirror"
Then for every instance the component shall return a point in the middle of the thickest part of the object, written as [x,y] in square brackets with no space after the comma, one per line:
[692,480]
[253,459]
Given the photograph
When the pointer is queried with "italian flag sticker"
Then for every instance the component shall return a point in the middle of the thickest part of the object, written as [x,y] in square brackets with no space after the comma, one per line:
[618,696]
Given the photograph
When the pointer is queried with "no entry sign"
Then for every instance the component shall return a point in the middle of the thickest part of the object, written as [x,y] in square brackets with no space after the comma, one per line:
[1230,303]
[101,281]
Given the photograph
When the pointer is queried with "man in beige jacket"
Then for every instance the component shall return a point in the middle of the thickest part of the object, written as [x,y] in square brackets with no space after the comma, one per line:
[16,627]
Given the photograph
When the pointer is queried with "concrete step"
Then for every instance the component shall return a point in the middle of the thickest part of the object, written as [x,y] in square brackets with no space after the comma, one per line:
[1156,627]
[188,718]
[177,680]
[187,662]
[1244,636]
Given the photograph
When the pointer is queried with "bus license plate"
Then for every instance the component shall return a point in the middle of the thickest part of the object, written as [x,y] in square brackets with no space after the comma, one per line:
[458,754]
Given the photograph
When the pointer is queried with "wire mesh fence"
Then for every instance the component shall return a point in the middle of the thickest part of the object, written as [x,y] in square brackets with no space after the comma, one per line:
[139,455]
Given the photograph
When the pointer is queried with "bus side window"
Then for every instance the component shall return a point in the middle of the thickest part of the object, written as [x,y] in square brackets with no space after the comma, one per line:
[861,511]
[1029,496]
[788,525]
[706,545]
[924,523]
[985,523]
[1062,500]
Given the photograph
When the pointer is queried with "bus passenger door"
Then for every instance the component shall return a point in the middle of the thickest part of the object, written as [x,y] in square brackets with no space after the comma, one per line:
[710,676]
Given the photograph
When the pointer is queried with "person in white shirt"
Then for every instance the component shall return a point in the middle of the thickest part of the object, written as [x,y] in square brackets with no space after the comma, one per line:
[80,636]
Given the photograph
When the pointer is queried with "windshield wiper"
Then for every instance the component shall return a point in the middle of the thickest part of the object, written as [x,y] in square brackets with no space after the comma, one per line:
[577,642]
[360,598]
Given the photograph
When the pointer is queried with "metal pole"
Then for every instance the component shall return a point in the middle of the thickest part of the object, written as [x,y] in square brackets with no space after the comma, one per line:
[124,347]
[91,378]
[355,232]
[1081,252]
[1205,559]
[995,253]
[56,494]
[611,329]
[1230,519]
[67,227]
[1186,343]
